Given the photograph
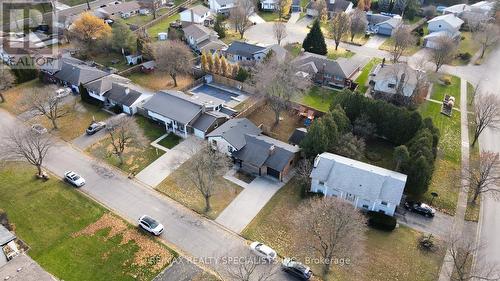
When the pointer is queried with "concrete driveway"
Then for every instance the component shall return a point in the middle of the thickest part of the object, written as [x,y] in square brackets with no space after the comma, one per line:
[84,141]
[248,203]
[375,41]
[157,171]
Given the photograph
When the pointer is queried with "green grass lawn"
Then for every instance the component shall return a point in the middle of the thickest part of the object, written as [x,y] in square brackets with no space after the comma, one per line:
[467,45]
[379,152]
[49,217]
[231,36]
[390,255]
[389,44]
[170,141]
[439,90]
[177,187]
[472,210]
[110,59]
[447,166]
[268,16]
[136,156]
[162,26]
[73,2]
[362,79]
[318,98]
[339,53]
[294,49]
[140,20]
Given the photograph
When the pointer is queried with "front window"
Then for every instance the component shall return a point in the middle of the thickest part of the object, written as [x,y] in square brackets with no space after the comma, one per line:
[321,183]
[383,203]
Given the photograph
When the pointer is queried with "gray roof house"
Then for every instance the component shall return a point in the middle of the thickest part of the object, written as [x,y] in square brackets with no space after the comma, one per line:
[5,236]
[365,186]
[383,24]
[221,6]
[263,155]
[245,52]
[183,115]
[99,87]
[201,38]
[335,73]
[297,136]
[23,268]
[128,96]
[333,7]
[230,136]
[74,72]
[396,83]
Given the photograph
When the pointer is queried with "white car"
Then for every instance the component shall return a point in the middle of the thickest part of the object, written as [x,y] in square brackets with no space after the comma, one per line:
[150,225]
[263,251]
[39,129]
[63,92]
[74,179]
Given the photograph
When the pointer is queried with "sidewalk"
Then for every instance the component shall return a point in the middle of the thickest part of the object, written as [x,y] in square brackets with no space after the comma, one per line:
[459,222]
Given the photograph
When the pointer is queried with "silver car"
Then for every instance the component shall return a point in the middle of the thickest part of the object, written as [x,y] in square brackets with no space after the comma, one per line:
[150,225]
[74,179]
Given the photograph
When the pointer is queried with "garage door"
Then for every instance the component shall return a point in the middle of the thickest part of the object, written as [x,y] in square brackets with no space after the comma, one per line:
[273,173]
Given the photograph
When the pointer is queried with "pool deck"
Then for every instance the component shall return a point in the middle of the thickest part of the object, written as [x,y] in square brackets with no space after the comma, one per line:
[235,95]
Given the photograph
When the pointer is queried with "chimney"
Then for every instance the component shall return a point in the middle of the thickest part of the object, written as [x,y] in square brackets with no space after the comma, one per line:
[127,91]
[271,149]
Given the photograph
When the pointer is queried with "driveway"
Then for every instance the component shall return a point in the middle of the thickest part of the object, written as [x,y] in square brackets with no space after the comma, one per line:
[375,41]
[248,203]
[255,18]
[186,231]
[157,171]
[84,141]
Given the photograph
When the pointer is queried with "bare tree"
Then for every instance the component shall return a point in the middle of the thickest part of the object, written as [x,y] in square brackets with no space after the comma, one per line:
[173,57]
[279,30]
[6,81]
[28,145]
[340,26]
[358,23]
[330,229]
[462,255]
[320,6]
[240,16]
[249,270]
[204,168]
[44,101]
[278,83]
[443,52]
[483,175]
[123,133]
[487,36]
[403,39]
[304,169]
[486,114]
[282,7]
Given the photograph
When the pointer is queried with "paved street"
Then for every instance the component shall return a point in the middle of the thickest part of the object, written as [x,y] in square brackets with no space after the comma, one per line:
[190,233]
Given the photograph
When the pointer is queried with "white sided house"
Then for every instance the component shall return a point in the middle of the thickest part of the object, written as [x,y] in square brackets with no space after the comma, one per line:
[366,186]
[221,6]
[197,14]
[448,23]
[230,136]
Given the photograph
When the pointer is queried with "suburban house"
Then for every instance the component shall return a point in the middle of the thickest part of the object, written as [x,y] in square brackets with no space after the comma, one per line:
[119,9]
[383,24]
[244,52]
[262,155]
[198,14]
[99,87]
[448,23]
[183,114]
[152,4]
[333,7]
[335,73]
[268,5]
[365,186]
[127,96]
[230,136]
[221,6]
[456,10]
[397,83]
[71,72]
[482,7]
[296,7]
[202,39]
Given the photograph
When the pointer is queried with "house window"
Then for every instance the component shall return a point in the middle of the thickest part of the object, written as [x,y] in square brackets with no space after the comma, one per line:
[327,75]
[391,85]
[350,197]
[214,142]
[365,206]
[321,183]
[230,148]
[383,203]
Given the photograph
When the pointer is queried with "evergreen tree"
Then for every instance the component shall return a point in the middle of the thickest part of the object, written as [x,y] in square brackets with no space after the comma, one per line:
[219,26]
[400,155]
[123,38]
[419,175]
[315,41]
[316,140]
[242,74]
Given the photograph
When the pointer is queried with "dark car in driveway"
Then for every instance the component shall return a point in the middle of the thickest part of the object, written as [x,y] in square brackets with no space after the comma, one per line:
[95,127]
[296,269]
[420,208]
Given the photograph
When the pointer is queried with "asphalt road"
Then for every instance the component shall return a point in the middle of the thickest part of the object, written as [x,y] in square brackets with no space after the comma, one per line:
[191,234]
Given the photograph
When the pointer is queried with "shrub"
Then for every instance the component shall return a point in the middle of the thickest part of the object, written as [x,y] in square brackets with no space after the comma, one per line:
[426,242]
[242,75]
[446,79]
[465,56]
[381,221]
[373,156]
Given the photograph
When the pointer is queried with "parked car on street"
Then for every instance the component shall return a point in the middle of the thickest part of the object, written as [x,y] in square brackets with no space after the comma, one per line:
[420,208]
[150,225]
[95,127]
[74,179]
[263,251]
[37,128]
[296,269]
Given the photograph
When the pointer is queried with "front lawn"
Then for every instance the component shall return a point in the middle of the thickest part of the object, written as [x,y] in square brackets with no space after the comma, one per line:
[472,210]
[289,121]
[73,2]
[268,16]
[14,96]
[71,236]
[170,141]
[447,166]
[440,89]
[162,26]
[339,53]
[231,36]
[179,188]
[362,79]
[388,45]
[318,98]
[389,255]
[467,45]
[136,156]
[159,80]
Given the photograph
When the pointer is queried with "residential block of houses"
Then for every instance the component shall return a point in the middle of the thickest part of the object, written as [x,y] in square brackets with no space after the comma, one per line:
[365,186]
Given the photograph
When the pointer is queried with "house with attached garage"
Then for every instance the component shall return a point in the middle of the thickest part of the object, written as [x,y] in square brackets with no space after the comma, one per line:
[230,136]
[334,73]
[383,24]
[97,88]
[183,114]
[202,39]
[446,25]
[333,7]
[198,14]
[244,52]
[366,186]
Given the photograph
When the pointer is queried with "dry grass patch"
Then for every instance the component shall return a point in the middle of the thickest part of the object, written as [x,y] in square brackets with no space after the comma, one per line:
[159,80]
[179,188]
[282,131]
[14,96]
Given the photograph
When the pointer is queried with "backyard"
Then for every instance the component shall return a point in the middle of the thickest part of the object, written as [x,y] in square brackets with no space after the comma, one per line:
[440,88]
[162,26]
[393,255]
[178,187]
[82,240]
[289,121]
[137,155]
[362,79]
[160,80]
[317,98]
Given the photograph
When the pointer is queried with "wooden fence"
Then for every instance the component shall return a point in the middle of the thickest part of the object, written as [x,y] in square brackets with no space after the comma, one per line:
[234,84]
[174,10]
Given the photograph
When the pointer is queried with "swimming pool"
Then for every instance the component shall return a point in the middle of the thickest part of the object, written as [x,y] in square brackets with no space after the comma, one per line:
[215,92]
